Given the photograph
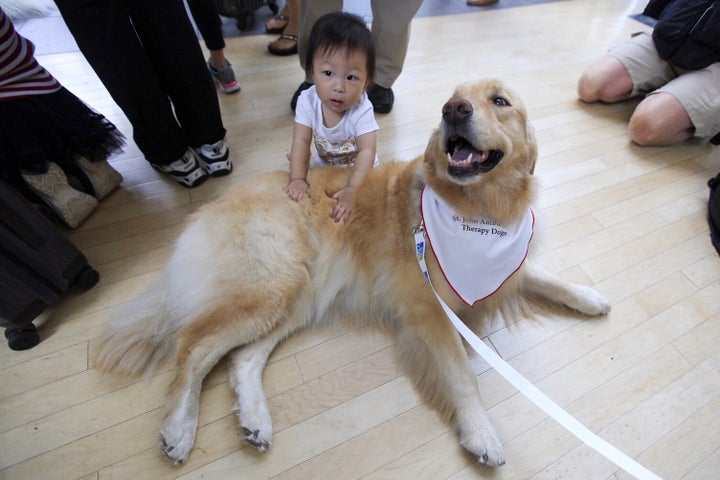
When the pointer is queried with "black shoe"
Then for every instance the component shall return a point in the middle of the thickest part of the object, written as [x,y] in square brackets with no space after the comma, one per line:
[303,86]
[382,98]
[715,140]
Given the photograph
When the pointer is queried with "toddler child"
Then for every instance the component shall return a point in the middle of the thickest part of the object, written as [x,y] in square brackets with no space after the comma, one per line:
[335,113]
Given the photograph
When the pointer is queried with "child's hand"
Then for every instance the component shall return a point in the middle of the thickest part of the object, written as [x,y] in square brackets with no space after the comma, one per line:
[342,210]
[297,189]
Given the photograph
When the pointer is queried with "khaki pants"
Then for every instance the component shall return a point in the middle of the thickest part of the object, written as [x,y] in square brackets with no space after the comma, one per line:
[698,91]
[390,30]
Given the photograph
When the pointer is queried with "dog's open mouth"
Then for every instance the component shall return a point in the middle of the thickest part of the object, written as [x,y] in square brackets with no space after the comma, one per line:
[464,159]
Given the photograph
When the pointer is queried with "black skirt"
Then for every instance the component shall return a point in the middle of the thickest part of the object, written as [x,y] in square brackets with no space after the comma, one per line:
[55,127]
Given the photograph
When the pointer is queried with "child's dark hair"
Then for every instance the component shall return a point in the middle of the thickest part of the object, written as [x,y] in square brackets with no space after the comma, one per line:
[339,30]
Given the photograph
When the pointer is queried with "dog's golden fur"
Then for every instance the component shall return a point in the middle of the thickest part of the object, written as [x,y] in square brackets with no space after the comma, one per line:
[255,266]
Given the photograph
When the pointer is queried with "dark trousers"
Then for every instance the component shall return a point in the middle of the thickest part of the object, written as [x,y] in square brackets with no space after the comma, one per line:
[207,18]
[149,59]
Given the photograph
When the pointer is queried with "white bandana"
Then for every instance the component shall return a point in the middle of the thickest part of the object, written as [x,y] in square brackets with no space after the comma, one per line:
[476,256]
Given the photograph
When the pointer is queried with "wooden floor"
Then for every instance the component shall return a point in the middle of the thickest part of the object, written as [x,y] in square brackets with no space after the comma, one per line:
[631,221]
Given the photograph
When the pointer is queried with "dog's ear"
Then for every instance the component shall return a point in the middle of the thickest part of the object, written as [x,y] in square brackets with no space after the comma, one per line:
[530,140]
[531,144]
[433,147]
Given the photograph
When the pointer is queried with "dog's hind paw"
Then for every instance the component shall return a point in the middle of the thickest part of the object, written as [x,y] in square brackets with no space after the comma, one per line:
[486,446]
[255,422]
[256,438]
[492,458]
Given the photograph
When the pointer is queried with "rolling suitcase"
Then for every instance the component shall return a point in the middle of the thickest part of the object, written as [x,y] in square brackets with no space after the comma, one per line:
[244,10]
[714,211]
[37,266]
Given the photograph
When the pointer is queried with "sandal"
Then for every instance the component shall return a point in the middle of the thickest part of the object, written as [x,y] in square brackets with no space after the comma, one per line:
[281,18]
[284,51]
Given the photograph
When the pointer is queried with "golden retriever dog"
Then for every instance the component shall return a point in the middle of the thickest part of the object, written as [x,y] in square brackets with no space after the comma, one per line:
[254,266]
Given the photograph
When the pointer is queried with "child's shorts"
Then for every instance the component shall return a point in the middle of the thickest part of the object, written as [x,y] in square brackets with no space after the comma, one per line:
[698,91]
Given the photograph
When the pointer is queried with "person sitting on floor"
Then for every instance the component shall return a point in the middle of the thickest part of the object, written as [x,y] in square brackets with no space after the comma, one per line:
[678,74]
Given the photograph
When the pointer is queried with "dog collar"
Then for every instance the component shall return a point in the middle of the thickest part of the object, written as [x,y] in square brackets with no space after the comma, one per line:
[476,255]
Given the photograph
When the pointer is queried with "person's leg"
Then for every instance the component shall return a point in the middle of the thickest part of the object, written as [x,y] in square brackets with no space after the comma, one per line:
[105,35]
[170,43]
[630,69]
[278,23]
[660,119]
[676,104]
[287,43]
[207,18]
[606,80]
[309,12]
[685,107]
[294,20]
[391,32]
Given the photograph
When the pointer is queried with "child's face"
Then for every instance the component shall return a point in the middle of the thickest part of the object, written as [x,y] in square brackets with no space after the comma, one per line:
[340,79]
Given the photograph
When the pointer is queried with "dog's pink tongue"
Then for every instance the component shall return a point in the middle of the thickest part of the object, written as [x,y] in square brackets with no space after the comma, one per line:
[464,154]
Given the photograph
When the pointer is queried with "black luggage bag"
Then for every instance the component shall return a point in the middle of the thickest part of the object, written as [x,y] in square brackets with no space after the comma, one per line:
[244,10]
[714,211]
[37,266]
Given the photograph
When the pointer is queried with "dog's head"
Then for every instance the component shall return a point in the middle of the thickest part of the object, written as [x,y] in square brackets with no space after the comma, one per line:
[484,133]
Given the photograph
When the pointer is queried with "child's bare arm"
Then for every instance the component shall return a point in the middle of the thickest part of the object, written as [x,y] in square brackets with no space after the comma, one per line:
[299,157]
[367,145]
[363,163]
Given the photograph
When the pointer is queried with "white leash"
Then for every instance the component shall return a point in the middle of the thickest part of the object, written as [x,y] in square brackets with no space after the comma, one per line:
[524,386]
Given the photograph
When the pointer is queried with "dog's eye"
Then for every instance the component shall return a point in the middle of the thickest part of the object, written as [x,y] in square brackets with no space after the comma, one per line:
[500,101]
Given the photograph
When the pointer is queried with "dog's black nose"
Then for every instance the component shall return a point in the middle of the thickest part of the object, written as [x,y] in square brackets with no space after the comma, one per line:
[456,110]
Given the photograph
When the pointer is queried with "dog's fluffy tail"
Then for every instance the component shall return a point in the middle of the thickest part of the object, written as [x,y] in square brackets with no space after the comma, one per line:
[140,337]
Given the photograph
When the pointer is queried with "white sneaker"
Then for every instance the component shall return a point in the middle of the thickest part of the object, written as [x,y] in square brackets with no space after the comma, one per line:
[186,171]
[214,158]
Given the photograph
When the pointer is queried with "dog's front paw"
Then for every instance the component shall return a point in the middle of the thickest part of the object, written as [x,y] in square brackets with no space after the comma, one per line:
[177,445]
[485,445]
[178,435]
[590,302]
